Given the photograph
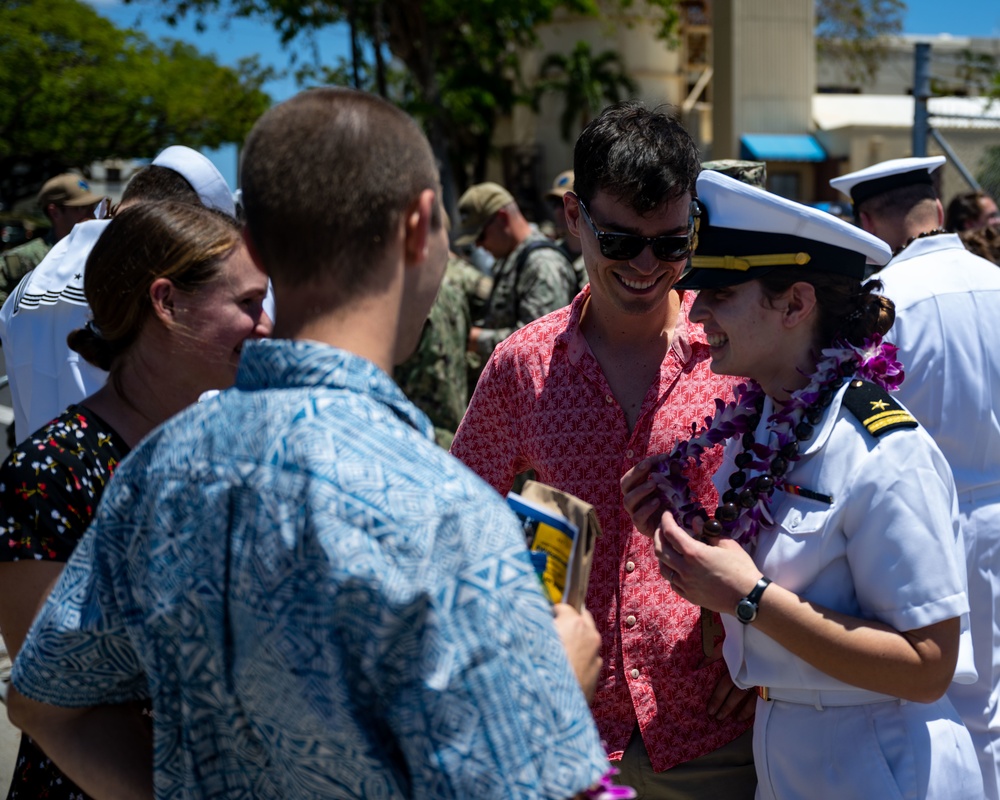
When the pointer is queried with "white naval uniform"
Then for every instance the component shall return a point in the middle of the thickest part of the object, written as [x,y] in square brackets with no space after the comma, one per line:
[948,331]
[888,548]
[45,375]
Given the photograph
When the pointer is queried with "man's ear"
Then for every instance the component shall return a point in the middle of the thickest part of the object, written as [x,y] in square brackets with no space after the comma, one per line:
[505,217]
[417,226]
[940,213]
[163,296]
[571,207]
[799,302]
[865,222]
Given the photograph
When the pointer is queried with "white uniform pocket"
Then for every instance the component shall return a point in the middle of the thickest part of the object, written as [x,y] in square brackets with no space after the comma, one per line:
[795,550]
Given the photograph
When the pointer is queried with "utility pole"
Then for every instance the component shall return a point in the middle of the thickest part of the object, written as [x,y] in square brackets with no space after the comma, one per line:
[921,92]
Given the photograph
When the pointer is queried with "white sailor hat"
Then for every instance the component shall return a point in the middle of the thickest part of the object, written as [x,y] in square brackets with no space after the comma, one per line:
[886,176]
[745,232]
[202,174]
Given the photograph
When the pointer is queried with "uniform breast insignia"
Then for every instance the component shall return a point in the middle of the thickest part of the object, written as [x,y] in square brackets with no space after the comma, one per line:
[876,409]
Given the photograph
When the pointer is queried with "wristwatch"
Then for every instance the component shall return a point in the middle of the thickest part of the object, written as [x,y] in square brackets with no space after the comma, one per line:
[746,609]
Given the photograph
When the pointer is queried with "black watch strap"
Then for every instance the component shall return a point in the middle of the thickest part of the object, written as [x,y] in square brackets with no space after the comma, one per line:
[746,609]
[757,592]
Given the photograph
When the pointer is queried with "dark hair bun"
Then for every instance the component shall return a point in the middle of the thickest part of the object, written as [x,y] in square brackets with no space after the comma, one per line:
[873,313]
[95,349]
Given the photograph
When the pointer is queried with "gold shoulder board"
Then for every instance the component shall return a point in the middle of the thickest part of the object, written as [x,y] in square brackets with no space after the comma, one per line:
[876,409]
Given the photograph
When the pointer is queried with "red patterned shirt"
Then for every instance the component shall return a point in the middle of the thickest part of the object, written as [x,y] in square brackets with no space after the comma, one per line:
[543,403]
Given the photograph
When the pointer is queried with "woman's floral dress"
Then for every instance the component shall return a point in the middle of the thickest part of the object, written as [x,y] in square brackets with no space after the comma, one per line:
[50,486]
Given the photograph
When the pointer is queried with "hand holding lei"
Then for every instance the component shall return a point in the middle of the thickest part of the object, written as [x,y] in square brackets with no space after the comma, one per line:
[745,506]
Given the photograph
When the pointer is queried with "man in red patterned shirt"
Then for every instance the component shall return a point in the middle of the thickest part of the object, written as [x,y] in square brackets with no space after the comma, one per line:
[585,393]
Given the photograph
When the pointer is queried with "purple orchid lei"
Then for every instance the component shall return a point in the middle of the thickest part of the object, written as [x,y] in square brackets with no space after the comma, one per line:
[874,361]
[607,790]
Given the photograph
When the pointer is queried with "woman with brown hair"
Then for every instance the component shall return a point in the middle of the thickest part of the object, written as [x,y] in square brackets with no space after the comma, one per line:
[835,555]
[174,294]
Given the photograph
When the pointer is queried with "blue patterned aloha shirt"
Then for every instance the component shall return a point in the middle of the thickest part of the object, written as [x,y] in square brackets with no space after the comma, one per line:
[319,601]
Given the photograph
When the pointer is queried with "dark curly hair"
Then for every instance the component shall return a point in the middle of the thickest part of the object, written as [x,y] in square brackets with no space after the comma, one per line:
[641,157]
[847,309]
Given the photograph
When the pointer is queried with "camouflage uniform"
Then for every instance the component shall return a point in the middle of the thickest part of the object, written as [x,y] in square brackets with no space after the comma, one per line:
[19,261]
[472,283]
[753,173]
[435,378]
[546,282]
[579,268]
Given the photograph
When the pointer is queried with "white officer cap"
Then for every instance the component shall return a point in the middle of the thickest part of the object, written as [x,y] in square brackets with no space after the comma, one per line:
[886,176]
[202,174]
[744,232]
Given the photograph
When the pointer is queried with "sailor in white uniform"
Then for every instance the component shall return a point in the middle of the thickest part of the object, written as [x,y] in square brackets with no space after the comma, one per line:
[844,601]
[948,332]
[45,375]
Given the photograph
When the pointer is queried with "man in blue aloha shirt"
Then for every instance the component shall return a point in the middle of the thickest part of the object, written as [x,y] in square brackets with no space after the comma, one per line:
[317,599]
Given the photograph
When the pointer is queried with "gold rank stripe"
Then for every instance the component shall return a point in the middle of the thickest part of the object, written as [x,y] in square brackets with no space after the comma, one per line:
[743,263]
[887,418]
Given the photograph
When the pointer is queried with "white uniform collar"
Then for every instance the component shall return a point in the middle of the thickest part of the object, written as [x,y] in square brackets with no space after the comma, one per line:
[928,244]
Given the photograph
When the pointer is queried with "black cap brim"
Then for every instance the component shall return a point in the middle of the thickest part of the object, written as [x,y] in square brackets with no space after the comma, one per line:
[696,278]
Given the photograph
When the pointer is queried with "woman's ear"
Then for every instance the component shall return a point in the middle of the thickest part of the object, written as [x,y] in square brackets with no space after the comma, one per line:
[163,295]
[799,303]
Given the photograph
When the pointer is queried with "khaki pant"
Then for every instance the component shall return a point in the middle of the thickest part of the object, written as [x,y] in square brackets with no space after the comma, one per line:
[724,774]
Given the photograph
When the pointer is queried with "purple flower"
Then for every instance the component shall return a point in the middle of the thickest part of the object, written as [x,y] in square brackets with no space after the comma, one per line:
[879,364]
[606,790]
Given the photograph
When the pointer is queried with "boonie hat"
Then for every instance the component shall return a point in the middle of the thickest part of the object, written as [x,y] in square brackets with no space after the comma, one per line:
[751,172]
[202,174]
[562,184]
[886,176]
[67,190]
[744,232]
[476,207]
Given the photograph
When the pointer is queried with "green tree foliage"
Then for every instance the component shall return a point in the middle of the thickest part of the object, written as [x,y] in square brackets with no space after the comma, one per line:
[458,60]
[978,73]
[460,57]
[587,81]
[77,89]
[856,31]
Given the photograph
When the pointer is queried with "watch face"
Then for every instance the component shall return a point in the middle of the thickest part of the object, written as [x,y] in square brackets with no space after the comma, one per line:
[746,611]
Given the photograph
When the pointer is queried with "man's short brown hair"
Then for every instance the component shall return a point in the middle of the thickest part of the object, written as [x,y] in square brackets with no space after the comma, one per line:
[154,183]
[326,178]
[896,203]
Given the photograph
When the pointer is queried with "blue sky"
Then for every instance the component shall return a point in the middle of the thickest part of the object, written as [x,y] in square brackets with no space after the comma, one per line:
[231,40]
[972,18]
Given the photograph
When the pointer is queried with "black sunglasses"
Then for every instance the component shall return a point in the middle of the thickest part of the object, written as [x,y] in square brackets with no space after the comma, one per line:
[626,246]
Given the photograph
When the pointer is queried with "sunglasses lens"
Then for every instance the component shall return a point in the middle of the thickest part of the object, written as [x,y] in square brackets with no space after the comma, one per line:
[672,248]
[621,246]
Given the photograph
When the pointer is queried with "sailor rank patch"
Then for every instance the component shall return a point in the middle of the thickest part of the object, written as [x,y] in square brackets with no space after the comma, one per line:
[876,409]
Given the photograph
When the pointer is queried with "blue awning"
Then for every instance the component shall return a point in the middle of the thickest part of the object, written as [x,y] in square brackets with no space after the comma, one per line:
[781,147]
